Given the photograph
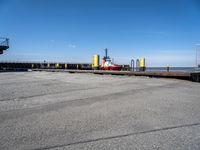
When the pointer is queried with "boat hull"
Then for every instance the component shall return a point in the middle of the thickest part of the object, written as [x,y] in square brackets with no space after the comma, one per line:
[114,67]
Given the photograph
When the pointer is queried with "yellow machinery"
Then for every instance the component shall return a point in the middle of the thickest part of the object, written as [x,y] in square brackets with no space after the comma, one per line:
[95,63]
[142,64]
[48,66]
[57,66]
[65,66]
[32,66]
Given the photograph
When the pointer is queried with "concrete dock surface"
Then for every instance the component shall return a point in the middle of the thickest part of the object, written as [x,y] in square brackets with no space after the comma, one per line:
[55,110]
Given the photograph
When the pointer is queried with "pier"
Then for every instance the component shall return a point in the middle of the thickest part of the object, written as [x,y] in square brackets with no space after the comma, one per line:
[87,68]
[193,76]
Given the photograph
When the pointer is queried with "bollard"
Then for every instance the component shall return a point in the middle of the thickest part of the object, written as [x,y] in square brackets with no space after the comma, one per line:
[167,68]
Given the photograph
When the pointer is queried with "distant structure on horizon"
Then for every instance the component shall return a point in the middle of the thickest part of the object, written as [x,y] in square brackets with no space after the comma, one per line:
[198,55]
[4,44]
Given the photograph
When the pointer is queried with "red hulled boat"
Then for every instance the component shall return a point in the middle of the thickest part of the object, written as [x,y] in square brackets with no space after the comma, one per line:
[108,65]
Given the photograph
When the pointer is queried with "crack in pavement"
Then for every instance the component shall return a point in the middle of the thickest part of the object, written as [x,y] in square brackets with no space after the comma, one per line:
[6,115]
[119,136]
[86,99]
[38,95]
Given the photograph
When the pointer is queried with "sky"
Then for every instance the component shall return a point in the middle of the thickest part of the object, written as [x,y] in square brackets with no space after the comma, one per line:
[162,31]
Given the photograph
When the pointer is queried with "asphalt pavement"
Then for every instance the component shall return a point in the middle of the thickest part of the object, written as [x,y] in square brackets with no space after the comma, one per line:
[54,110]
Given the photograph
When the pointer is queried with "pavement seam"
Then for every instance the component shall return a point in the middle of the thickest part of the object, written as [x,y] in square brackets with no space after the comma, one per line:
[86,98]
[59,92]
[119,136]
[39,95]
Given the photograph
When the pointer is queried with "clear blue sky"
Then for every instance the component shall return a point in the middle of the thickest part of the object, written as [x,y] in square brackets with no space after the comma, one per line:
[162,31]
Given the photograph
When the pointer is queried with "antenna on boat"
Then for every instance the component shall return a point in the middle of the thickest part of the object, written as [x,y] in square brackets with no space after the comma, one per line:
[106,54]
